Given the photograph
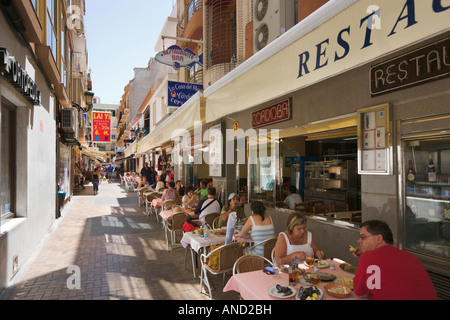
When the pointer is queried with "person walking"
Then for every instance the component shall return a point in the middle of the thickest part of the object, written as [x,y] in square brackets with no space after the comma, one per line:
[96,180]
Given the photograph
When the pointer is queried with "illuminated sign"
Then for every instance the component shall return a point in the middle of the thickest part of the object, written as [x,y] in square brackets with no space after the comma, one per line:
[279,112]
[101,122]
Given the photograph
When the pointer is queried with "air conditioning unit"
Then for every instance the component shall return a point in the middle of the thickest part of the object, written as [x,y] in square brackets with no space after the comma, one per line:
[68,120]
[271,19]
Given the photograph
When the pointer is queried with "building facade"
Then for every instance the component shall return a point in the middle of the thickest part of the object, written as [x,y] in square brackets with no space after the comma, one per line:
[42,85]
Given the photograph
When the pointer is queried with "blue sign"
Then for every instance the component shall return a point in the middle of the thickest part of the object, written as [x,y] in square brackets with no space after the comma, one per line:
[180,92]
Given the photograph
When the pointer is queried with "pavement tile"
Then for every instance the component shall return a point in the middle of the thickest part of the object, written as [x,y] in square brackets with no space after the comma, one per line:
[121,255]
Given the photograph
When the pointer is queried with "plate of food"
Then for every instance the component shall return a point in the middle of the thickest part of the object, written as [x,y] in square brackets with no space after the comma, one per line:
[283,292]
[323,277]
[337,290]
[348,267]
[309,293]
[346,281]
[323,264]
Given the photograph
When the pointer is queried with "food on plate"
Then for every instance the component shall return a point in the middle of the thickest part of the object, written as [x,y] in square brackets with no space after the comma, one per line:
[308,293]
[198,231]
[284,290]
[323,264]
[338,290]
[352,248]
[346,281]
[348,267]
[218,232]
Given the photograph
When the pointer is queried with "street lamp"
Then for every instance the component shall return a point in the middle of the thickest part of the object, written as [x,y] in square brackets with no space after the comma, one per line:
[89,95]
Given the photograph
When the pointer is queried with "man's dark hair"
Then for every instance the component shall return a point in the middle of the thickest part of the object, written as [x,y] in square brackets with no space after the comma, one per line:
[376,227]
[212,191]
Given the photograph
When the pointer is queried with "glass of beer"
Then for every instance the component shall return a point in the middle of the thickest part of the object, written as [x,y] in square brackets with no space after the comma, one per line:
[314,278]
[309,261]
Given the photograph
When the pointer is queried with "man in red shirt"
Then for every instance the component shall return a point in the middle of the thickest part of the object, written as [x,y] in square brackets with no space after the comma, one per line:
[385,272]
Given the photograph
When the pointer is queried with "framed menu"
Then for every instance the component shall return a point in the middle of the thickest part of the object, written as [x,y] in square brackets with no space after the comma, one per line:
[373,140]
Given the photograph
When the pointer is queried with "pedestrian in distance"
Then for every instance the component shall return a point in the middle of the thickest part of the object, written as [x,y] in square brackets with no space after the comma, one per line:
[96,180]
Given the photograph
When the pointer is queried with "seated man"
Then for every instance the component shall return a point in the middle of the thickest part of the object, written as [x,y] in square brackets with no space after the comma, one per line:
[292,198]
[386,273]
[233,206]
[208,206]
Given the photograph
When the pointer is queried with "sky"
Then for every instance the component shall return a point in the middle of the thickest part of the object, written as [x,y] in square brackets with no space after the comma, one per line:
[121,36]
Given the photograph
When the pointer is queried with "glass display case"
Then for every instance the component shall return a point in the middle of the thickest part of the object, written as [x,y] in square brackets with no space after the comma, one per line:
[427,196]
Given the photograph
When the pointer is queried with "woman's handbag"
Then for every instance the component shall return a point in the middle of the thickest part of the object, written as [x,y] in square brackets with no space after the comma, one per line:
[189,225]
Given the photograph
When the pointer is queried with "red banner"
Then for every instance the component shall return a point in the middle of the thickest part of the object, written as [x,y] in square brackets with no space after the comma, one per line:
[101,122]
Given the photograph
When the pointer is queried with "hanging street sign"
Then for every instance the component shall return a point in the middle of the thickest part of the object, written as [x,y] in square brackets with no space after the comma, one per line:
[178,58]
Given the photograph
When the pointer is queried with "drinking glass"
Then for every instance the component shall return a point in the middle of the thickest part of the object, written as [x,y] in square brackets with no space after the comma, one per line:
[309,261]
[277,267]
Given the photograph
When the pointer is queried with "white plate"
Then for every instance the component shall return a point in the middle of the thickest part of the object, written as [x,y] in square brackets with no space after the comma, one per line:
[273,291]
[321,297]
[323,264]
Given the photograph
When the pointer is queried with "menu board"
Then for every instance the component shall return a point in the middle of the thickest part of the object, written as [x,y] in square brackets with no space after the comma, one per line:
[373,140]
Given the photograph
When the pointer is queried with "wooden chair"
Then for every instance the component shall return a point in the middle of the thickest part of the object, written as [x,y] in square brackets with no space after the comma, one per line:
[317,209]
[355,217]
[250,262]
[227,256]
[173,225]
[302,206]
[314,203]
[209,219]
[339,208]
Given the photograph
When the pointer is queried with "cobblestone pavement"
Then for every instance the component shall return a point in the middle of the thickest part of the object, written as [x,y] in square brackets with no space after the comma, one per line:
[120,255]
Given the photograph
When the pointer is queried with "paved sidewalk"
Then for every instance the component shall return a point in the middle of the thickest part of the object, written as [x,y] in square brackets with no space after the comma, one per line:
[120,255]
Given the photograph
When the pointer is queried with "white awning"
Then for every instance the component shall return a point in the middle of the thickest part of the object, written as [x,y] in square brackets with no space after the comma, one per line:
[182,119]
[334,39]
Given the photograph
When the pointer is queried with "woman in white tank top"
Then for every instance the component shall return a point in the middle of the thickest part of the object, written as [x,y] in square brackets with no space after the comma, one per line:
[296,242]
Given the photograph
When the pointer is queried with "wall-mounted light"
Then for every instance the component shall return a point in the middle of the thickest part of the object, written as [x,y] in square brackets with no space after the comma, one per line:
[89,95]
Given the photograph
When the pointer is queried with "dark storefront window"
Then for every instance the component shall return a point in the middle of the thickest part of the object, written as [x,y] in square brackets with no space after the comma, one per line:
[7,161]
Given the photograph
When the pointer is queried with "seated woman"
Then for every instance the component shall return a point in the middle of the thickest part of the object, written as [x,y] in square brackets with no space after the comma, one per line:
[296,242]
[190,199]
[261,226]
[144,183]
[171,194]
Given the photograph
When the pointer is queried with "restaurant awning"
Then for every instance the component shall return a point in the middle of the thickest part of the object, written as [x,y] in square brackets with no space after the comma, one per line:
[182,119]
[334,39]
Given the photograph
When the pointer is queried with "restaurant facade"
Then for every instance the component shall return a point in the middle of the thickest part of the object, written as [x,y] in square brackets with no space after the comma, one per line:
[351,105]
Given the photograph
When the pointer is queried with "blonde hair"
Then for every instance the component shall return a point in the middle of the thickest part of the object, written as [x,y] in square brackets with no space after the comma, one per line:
[295,219]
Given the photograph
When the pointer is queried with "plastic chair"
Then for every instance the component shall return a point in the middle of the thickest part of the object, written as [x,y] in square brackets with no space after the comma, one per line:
[167,205]
[215,224]
[173,225]
[141,195]
[148,204]
[209,219]
[227,256]
[250,262]
[269,245]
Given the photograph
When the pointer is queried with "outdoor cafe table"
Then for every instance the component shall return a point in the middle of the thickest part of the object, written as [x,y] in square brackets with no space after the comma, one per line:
[198,243]
[253,285]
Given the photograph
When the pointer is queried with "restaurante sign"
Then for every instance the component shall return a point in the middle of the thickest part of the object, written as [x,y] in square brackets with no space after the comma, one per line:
[18,77]
[425,64]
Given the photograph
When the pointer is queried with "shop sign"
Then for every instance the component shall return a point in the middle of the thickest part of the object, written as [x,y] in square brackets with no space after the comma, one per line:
[178,58]
[423,65]
[102,126]
[279,112]
[18,77]
[180,92]
[140,133]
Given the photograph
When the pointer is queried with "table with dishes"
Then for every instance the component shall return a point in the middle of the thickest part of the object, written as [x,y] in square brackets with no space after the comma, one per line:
[198,243]
[334,285]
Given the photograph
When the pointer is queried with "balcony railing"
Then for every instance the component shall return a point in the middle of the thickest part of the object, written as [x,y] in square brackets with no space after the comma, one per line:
[191,8]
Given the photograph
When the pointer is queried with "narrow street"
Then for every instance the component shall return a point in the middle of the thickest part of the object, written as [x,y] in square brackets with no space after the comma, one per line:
[120,254]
